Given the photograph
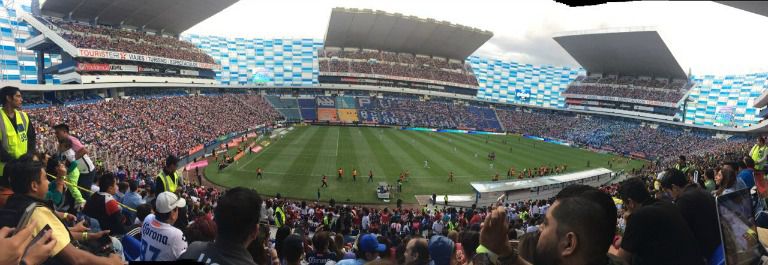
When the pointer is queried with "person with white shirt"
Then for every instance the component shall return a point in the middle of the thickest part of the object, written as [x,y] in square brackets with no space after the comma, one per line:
[437,227]
[160,240]
[366,222]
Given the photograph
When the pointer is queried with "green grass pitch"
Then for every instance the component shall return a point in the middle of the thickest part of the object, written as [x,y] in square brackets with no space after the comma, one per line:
[294,165]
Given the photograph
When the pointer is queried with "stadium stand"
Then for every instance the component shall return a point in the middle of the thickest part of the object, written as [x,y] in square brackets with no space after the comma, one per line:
[289,107]
[308,109]
[325,114]
[348,115]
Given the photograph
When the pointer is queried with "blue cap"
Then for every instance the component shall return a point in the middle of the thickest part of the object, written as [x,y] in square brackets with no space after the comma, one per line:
[440,250]
[369,243]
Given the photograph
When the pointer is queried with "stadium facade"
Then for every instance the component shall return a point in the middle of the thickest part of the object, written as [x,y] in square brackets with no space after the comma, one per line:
[713,100]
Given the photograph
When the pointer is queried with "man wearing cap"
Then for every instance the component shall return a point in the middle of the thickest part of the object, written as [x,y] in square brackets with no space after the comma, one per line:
[368,249]
[441,250]
[160,241]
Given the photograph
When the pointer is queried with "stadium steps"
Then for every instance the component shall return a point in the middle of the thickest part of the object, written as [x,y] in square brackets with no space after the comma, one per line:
[501,124]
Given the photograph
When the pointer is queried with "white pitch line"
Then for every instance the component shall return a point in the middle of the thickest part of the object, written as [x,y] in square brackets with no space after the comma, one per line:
[337,143]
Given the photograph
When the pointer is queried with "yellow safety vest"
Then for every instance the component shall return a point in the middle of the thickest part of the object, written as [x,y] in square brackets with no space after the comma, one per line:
[279,217]
[756,153]
[168,183]
[14,136]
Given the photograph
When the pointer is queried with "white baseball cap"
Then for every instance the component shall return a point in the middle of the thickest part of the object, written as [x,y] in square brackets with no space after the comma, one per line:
[167,201]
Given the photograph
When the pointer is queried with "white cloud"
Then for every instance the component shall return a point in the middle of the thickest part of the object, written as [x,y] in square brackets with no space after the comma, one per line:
[709,38]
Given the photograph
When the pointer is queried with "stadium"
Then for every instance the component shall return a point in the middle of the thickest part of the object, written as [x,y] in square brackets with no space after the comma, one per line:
[388,141]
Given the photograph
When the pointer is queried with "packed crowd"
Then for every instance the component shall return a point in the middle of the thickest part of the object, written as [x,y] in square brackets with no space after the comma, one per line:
[620,136]
[137,133]
[404,65]
[663,95]
[650,218]
[100,37]
[434,114]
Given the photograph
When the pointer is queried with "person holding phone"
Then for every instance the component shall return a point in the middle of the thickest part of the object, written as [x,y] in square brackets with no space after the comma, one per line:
[30,184]
[20,247]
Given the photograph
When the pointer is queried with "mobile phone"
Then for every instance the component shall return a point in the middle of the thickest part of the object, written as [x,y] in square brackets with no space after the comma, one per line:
[37,237]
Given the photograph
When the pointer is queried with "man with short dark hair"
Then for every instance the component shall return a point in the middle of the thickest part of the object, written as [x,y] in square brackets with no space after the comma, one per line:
[84,164]
[417,252]
[104,207]
[237,223]
[441,250]
[160,240]
[747,173]
[656,232]
[17,135]
[30,184]
[132,200]
[578,229]
[698,209]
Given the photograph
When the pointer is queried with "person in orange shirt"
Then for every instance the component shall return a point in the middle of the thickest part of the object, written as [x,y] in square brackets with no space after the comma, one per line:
[259,173]
[354,174]
[325,181]
[341,172]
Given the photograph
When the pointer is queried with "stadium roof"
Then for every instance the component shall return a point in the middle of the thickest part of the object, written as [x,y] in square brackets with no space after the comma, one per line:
[500,186]
[639,53]
[757,7]
[173,16]
[368,29]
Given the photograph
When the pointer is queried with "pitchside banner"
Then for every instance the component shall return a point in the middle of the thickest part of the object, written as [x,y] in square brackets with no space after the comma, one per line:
[90,53]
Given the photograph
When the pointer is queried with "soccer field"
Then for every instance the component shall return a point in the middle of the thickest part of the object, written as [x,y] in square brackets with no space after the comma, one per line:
[294,165]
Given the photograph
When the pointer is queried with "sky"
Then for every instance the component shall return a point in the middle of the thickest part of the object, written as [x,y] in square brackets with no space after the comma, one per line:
[705,37]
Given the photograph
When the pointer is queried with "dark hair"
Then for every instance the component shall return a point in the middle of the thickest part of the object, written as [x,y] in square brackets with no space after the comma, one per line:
[21,172]
[237,214]
[256,248]
[142,211]
[635,189]
[592,216]
[682,158]
[133,185]
[749,162]
[573,190]
[421,247]
[709,174]
[729,179]
[293,247]
[673,176]
[53,162]
[470,240]
[527,245]
[61,127]
[106,180]
[7,91]
[171,160]
[280,236]
[320,241]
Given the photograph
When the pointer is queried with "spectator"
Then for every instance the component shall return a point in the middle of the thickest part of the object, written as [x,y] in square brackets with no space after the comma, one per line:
[697,207]
[417,252]
[727,181]
[160,240]
[527,245]
[656,232]
[84,164]
[747,173]
[132,200]
[321,253]
[104,207]
[441,250]
[30,184]
[237,226]
[368,249]
[18,248]
[293,246]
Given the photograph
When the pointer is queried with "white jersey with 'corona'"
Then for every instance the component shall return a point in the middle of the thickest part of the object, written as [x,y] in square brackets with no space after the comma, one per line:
[161,241]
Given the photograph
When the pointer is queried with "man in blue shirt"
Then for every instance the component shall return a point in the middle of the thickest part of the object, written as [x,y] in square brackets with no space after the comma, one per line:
[747,173]
[132,199]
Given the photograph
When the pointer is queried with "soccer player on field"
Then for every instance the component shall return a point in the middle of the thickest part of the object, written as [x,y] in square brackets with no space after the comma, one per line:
[450,176]
[341,172]
[354,174]
[325,181]
[370,175]
[259,173]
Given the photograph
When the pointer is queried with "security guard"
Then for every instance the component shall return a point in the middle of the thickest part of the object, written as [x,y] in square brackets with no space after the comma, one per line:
[682,165]
[168,179]
[758,154]
[18,134]
[279,216]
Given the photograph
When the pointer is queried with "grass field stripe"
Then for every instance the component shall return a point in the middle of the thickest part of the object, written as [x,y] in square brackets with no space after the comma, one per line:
[375,140]
[299,134]
[447,152]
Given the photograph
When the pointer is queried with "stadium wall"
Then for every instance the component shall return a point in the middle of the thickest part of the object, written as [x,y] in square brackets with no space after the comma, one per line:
[510,82]
[725,100]
[16,63]
[272,62]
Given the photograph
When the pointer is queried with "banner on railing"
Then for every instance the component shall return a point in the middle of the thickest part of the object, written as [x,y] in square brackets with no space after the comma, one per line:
[91,53]
[196,149]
